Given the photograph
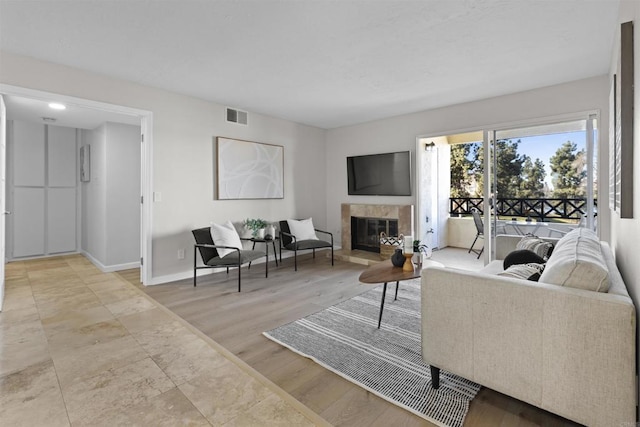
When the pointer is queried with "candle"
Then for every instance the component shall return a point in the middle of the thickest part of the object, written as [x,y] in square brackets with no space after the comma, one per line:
[408,244]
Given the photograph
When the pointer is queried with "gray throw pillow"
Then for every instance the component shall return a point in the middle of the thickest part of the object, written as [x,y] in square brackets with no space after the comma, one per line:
[537,245]
[531,271]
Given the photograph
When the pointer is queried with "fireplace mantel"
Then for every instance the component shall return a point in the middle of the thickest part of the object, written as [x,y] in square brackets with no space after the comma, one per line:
[403,213]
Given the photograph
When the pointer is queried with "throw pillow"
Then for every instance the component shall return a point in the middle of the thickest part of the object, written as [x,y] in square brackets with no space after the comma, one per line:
[530,271]
[537,245]
[521,256]
[225,235]
[303,229]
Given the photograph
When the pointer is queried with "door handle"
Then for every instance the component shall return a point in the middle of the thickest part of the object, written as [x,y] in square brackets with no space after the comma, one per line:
[7,212]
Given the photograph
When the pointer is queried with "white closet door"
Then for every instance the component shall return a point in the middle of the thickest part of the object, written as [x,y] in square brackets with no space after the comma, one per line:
[61,157]
[28,221]
[45,190]
[28,189]
[61,220]
[28,157]
[61,196]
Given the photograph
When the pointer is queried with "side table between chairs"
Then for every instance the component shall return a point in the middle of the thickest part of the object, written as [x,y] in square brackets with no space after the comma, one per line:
[266,246]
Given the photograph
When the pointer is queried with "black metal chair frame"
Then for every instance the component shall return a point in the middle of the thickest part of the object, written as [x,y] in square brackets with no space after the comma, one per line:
[295,245]
[479,232]
[200,246]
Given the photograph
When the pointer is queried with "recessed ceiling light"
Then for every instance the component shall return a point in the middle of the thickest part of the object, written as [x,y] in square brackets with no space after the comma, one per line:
[57,106]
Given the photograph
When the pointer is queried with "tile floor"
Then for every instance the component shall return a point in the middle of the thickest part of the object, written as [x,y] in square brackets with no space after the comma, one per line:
[458,258]
[80,347]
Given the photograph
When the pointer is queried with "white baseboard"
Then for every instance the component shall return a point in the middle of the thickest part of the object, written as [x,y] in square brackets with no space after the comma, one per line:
[189,274]
[110,268]
[175,277]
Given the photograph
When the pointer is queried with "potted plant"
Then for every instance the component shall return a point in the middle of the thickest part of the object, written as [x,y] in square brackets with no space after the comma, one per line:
[256,225]
[417,247]
[418,250]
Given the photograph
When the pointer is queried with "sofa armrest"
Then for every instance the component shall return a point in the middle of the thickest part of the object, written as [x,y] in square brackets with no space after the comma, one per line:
[568,351]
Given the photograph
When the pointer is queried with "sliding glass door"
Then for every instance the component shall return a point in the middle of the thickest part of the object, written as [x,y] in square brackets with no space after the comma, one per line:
[539,179]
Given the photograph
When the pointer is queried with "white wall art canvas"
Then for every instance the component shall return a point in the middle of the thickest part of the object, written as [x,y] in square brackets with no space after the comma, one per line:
[249,170]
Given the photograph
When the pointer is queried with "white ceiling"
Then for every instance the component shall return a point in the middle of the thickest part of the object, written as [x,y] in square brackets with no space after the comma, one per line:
[325,63]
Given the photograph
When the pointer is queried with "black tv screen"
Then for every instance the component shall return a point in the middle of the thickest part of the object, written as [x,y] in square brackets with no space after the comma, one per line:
[387,174]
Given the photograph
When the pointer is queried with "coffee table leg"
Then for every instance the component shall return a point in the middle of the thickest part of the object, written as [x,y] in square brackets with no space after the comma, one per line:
[384,293]
[397,285]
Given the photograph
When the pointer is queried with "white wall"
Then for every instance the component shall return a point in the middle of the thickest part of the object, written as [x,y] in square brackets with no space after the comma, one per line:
[625,233]
[111,199]
[123,194]
[184,130]
[94,197]
[399,133]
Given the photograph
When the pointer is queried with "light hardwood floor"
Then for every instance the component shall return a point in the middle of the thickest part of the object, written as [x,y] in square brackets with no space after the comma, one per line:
[237,320]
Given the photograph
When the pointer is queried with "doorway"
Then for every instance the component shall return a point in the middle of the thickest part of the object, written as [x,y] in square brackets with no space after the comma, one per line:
[438,183]
[145,120]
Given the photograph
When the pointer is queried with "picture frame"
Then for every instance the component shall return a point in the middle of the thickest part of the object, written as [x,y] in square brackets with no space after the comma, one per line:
[613,167]
[621,144]
[85,163]
[249,170]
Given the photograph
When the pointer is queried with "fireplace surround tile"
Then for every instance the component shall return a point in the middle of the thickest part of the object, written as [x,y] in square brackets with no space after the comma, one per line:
[403,213]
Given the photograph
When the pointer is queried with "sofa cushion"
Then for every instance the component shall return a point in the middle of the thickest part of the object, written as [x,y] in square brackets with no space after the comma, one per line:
[535,244]
[577,262]
[522,256]
[530,271]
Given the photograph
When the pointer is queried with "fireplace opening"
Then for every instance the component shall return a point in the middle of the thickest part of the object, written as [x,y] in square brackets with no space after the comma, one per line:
[365,232]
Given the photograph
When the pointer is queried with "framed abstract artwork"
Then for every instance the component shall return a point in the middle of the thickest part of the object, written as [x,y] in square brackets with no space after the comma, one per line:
[249,170]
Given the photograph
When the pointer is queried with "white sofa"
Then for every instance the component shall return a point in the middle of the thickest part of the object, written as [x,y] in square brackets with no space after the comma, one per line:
[566,350]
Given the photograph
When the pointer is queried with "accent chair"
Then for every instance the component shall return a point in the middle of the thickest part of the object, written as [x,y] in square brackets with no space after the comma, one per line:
[211,258]
[290,242]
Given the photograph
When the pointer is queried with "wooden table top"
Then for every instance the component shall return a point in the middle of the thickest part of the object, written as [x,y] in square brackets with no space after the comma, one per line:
[384,272]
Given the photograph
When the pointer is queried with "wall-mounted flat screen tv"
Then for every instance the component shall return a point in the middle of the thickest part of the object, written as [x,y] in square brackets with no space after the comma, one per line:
[387,174]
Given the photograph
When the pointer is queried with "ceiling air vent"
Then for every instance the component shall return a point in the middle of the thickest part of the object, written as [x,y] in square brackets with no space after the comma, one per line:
[236,116]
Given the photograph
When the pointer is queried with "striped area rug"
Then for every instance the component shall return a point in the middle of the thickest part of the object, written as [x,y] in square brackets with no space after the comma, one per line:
[345,339]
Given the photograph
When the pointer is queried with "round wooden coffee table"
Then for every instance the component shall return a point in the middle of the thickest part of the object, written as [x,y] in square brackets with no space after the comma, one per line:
[385,272]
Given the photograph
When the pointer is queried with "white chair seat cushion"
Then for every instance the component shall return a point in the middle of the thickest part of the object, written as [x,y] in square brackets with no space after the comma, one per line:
[303,229]
[225,235]
[577,262]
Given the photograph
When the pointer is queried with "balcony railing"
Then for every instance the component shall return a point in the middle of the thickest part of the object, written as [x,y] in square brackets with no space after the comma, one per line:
[540,209]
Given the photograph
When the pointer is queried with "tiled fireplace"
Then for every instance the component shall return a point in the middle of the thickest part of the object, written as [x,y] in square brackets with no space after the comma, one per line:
[374,219]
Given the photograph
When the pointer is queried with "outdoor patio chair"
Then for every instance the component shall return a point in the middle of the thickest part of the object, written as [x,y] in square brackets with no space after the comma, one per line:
[479,232]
